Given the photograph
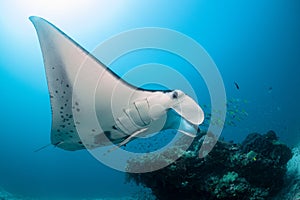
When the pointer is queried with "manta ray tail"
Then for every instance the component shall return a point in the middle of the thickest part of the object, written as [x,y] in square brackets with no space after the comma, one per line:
[44,147]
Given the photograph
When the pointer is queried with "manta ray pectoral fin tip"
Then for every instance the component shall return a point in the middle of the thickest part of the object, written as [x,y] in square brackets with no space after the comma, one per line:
[34,18]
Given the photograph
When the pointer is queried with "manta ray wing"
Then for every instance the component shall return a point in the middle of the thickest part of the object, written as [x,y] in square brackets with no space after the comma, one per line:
[63,59]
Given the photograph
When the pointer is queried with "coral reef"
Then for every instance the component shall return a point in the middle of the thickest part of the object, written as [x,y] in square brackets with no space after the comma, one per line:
[4,195]
[255,169]
[291,189]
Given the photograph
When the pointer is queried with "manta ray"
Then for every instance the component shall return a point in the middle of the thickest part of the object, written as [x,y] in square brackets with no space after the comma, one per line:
[123,111]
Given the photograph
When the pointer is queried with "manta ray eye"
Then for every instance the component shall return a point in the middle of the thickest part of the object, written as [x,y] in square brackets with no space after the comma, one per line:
[175,95]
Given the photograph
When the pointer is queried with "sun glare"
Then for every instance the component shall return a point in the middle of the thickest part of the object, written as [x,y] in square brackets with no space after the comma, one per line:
[66,13]
[61,9]
[81,17]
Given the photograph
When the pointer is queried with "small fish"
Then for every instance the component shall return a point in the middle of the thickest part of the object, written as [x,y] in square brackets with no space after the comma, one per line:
[231,123]
[236,85]
[270,89]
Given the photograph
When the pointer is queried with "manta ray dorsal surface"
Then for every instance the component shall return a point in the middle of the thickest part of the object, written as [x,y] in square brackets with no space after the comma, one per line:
[121,110]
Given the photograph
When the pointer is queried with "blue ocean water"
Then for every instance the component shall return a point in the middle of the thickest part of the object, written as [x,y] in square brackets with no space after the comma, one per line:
[254,43]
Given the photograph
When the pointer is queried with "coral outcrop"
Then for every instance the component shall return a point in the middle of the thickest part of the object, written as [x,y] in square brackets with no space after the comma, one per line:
[253,170]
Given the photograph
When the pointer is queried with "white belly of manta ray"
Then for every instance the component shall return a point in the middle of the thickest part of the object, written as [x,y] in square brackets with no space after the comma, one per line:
[123,111]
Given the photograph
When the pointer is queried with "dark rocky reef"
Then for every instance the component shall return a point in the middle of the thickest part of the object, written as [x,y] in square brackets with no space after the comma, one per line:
[252,170]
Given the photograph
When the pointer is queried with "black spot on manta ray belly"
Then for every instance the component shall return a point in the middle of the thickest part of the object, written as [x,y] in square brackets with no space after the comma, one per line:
[107,133]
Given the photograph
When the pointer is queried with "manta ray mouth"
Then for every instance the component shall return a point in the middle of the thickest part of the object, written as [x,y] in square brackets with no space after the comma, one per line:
[187,133]
[188,128]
